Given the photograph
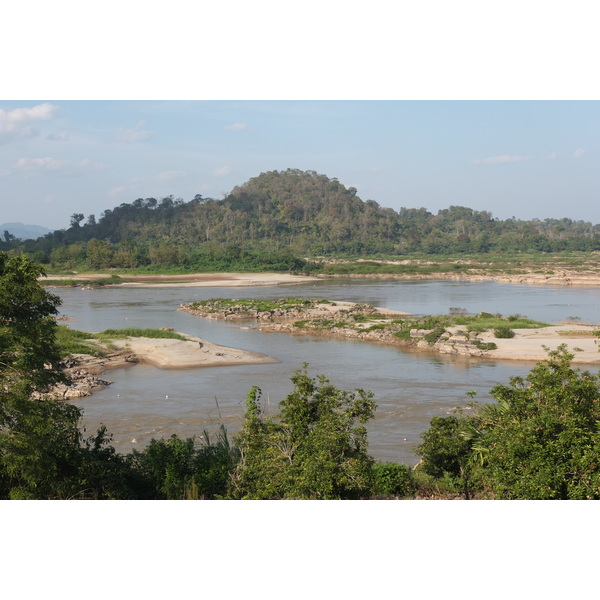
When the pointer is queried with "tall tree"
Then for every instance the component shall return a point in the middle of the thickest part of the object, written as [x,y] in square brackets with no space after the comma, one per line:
[316,448]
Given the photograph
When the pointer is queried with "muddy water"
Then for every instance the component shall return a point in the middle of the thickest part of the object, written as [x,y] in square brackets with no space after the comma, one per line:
[410,389]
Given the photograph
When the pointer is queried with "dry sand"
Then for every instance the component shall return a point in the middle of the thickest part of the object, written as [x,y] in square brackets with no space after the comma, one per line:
[528,344]
[193,279]
[194,352]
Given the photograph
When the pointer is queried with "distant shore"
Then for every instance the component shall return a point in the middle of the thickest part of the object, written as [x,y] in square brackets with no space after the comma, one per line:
[190,279]
[562,277]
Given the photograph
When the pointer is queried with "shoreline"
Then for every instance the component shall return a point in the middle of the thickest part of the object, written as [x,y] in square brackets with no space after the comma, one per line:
[164,353]
[190,280]
[335,320]
[563,277]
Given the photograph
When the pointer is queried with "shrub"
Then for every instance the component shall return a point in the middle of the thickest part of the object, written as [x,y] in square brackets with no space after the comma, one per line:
[504,331]
[486,346]
[434,336]
[392,479]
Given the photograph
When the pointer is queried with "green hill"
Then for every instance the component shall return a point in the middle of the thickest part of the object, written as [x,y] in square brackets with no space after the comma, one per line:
[283,214]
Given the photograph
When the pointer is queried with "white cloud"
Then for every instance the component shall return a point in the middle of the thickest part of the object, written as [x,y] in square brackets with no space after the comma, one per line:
[237,127]
[222,171]
[502,160]
[19,123]
[47,165]
[579,153]
[553,156]
[134,135]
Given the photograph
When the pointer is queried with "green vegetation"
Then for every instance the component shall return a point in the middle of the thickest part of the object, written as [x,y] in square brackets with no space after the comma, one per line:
[503,331]
[275,220]
[220,305]
[116,334]
[72,341]
[539,440]
[316,448]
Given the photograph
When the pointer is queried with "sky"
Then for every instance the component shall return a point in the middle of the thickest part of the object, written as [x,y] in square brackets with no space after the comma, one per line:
[527,159]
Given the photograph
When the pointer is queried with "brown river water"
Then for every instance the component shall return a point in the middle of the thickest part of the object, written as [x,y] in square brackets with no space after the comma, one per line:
[409,388]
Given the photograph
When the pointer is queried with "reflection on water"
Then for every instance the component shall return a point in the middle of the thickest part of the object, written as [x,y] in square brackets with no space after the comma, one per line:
[409,388]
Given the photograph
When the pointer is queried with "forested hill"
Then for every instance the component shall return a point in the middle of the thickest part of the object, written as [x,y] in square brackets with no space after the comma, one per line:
[298,212]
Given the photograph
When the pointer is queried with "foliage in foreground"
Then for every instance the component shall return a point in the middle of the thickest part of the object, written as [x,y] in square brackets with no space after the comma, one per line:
[315,449]
[540,440]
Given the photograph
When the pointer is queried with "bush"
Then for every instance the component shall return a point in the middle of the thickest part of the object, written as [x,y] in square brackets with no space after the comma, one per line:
[392,479]
[504,332]
[434,336]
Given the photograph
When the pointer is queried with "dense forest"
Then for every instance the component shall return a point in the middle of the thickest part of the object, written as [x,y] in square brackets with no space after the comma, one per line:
[277,217]
[538,440]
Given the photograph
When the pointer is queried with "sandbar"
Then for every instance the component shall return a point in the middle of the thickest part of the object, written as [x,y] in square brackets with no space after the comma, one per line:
[191,353]
[192,279]
[528,344]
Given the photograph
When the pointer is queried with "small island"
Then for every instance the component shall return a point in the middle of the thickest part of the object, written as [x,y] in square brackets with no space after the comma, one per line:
[88,355]
[483,335]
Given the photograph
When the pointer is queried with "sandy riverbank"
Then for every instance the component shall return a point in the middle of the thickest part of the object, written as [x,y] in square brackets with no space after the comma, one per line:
[560,277]
[528,344]
[85,370]
[192,279]
[192,353]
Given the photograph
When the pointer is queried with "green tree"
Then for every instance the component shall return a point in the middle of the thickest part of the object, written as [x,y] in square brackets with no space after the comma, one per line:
[177,469]
[39,440]
[447,451]
[314,449]
[29,356]
[541,440]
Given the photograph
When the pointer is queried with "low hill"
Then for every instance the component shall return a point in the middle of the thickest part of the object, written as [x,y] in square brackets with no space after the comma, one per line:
[292,212]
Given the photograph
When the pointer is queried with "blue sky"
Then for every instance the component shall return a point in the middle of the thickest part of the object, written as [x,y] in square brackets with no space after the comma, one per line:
[528,159]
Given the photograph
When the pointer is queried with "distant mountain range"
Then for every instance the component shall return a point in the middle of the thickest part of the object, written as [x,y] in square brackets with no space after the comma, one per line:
[24,232]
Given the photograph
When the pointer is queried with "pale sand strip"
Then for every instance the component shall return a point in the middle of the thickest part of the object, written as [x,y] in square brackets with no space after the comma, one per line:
[528,344]
[194,279]
[195,352]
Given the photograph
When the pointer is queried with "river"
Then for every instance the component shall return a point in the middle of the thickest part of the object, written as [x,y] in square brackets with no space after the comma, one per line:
[409,388]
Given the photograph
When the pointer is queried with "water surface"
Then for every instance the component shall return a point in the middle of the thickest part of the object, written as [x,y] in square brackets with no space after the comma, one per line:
[409,388]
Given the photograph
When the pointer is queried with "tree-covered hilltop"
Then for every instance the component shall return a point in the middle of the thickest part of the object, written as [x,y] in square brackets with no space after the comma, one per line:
[283,214]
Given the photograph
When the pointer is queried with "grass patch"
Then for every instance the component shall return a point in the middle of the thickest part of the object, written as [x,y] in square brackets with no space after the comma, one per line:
[72,341]
[487,321]
[119,334]
[215,305]
[578,333]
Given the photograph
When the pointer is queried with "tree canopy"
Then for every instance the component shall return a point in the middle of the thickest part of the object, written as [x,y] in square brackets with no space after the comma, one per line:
[279,213]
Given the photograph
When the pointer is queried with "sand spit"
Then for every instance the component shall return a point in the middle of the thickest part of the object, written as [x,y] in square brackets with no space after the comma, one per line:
[85,370]
[191,280]
[191,353]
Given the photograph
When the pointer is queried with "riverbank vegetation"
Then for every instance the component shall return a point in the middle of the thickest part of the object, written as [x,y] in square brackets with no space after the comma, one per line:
[539,439]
